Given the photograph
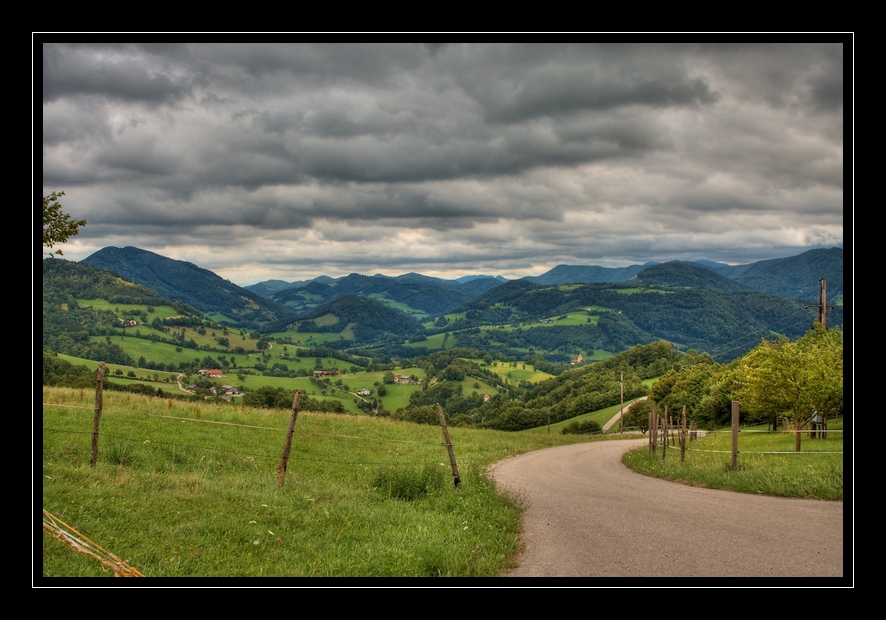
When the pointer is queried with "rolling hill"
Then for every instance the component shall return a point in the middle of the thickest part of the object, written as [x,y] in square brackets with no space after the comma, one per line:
[190,284]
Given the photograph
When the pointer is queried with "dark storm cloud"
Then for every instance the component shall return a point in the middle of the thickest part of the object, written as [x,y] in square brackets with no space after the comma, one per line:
[475,156]
[109,72]
[514,83]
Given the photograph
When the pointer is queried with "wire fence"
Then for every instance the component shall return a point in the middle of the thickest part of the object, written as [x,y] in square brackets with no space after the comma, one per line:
[269,457]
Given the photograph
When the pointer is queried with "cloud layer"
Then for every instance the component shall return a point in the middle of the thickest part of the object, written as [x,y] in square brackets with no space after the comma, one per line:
[263,161]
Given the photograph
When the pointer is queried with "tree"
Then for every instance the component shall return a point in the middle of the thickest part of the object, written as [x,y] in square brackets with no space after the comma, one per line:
[58,226]
[637,414]
[796,379]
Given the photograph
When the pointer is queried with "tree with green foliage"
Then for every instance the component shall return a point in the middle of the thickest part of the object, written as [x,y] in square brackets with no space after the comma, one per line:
[796,379]
[637,414]
[58,226]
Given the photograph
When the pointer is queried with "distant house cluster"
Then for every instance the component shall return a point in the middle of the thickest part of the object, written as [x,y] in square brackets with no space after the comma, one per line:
[405,379]
[212,373]
[227,392]
[577,360]
[324,373]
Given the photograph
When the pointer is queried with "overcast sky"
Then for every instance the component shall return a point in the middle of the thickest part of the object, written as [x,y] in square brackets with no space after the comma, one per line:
[288,161]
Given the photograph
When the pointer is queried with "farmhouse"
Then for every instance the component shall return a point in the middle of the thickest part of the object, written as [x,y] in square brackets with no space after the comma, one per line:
[210,372]
[405,379]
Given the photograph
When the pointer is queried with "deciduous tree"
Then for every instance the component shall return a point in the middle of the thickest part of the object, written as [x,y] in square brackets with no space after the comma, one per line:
[796,379]
[58,226]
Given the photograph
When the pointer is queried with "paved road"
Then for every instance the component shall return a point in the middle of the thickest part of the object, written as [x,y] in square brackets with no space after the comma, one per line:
[589,515]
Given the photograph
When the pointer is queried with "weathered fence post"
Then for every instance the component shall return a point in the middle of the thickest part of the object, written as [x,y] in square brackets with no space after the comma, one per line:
[664,434]
[652,419]
[734,435]
[99,387]
[284,461]
[683,437]
[456,479]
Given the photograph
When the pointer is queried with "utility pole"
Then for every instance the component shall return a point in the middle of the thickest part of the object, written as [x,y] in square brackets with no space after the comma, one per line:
[621,414]
[823,303]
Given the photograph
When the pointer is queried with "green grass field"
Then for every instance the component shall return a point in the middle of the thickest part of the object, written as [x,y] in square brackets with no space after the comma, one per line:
[514,372]
[767,463]
[123,310]
[190,490]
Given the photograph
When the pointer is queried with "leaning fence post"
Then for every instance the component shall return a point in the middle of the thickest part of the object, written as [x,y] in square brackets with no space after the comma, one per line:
[284,461]
[99,386]
[734,435]
[456,479]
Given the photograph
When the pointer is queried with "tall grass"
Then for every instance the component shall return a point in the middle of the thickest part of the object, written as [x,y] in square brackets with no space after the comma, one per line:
[190,489]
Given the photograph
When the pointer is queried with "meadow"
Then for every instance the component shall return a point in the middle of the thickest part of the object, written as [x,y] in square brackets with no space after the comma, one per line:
[766,464]
[190,489]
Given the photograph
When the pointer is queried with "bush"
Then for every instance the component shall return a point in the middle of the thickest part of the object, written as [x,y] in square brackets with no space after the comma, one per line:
[585,427]
[408,483]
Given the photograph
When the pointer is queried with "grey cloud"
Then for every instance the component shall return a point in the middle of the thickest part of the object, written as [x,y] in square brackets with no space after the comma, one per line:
[457,154]
[72,69]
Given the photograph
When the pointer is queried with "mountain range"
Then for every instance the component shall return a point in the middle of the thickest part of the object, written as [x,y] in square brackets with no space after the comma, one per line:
[704,305]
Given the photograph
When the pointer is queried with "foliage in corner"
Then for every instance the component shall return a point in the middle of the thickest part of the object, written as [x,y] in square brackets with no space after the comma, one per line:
[58,226]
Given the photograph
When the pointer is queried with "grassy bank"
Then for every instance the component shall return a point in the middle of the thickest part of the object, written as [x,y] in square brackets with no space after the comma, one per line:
[190,489]
[767,464]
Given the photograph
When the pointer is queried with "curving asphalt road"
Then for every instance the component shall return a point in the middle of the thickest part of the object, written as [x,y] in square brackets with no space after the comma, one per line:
[587,515]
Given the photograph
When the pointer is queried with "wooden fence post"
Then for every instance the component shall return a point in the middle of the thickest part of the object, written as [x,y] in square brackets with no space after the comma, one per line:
[99,388]
[734,435]
[456,479]
[664,434]
[284,461]
[683,436]
[652,418]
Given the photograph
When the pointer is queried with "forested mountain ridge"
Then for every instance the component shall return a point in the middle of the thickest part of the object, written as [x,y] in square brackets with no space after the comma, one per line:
[724,323]
[190,284]
[369,320]
[795,277]
[584,274]
[417,292]
[677,274]
[422,294]
[67,326]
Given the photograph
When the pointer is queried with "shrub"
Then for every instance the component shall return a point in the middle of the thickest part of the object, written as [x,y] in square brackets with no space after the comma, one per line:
[585,427]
